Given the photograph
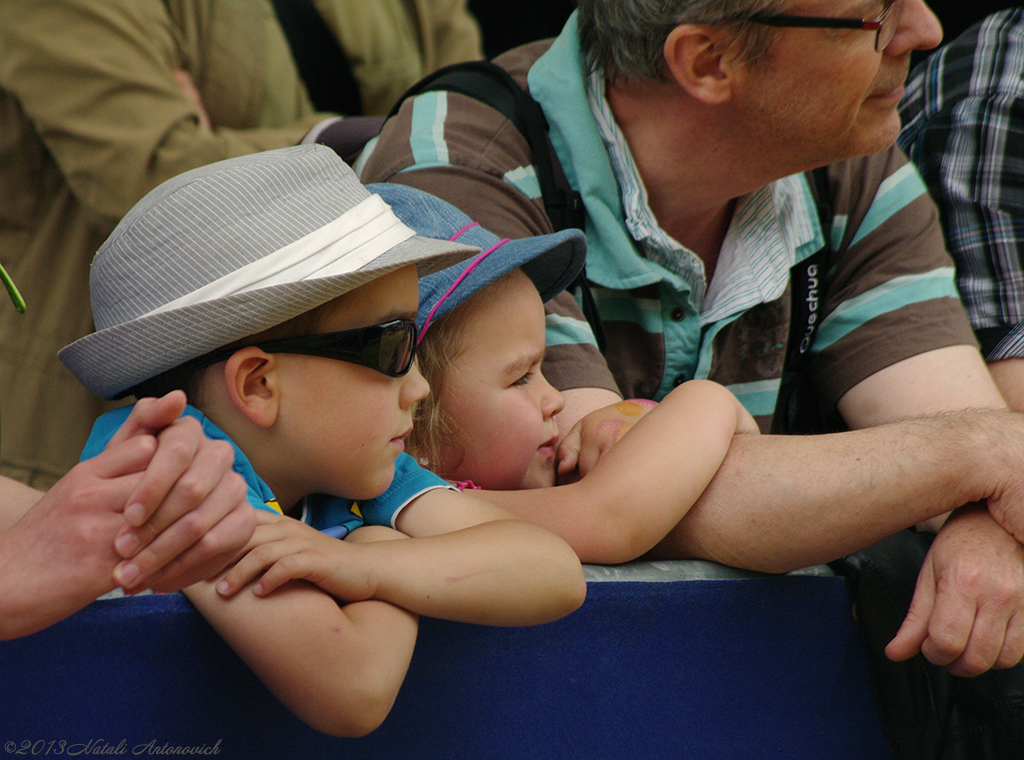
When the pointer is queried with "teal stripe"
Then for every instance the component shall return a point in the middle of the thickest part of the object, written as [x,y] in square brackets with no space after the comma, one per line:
[566,331]
[839,222]
[427,139]
[895,294]
[897,191]
[758,398]
[524,179]
[365,154]
[645,312]
[427,165]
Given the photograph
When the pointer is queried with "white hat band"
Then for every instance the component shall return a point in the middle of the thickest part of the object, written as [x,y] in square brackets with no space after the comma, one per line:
[363,233]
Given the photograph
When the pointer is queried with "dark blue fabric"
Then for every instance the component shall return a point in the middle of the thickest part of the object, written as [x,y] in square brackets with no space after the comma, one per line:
[755,668]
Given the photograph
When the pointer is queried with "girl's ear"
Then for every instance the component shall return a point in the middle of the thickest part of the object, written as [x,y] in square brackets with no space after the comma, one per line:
[252,381]
[701,61]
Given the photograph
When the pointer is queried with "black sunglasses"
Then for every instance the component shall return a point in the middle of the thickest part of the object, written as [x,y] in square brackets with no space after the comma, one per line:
[389,348]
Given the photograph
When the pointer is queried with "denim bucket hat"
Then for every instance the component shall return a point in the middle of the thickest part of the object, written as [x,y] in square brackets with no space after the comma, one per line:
[551,261]
[228,250]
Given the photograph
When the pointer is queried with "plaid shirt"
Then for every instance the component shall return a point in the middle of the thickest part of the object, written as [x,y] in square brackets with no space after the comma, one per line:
[964,127]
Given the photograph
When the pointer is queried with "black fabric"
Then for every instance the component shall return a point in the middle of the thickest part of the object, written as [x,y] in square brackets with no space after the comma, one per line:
[507,25]
[927,714]
[797,409]
[318,55]
[348,136]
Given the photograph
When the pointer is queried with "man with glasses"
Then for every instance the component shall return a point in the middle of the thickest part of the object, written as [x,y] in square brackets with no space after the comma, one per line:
[689,133]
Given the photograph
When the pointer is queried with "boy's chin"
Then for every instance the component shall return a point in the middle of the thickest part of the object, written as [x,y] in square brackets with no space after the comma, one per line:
[371,488]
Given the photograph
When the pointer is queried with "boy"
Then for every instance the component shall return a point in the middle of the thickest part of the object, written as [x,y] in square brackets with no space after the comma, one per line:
[279,294]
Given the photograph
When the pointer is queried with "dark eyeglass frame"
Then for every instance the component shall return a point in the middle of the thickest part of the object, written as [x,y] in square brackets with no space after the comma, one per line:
[371,347]
[891,13]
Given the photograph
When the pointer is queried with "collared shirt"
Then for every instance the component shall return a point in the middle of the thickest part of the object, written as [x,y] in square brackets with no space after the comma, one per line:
[964,127]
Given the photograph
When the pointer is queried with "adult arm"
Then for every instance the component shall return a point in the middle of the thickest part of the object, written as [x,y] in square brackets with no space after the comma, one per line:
[782,502]
[62,549]
[59,555]
[967,609]
[758,511]
[1009,377]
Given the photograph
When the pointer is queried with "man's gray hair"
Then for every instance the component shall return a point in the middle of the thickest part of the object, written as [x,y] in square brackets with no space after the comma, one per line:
[626,38]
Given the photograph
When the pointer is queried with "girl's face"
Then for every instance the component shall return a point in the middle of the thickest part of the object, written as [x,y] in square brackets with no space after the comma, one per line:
[496,397]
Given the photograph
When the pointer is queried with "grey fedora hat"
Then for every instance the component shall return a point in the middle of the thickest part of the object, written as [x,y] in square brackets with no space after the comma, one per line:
[228,250]
[551,261]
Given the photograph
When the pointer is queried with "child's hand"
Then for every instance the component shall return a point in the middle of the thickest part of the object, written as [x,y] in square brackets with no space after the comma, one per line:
[284,549]
[594,435]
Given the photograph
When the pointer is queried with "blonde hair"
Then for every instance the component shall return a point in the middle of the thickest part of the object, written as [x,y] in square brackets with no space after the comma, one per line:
[437,355]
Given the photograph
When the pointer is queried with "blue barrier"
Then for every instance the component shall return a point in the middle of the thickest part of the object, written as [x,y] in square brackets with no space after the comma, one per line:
[668,660]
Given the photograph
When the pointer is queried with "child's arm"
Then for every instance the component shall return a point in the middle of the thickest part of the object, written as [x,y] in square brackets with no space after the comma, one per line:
[338,668]
[641,488]
[469,561]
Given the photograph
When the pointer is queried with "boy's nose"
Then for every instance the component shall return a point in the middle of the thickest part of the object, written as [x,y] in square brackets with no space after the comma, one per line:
[414,387]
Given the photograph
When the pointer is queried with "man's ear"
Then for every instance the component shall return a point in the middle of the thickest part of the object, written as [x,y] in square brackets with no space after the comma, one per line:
[252,381]
[701,61]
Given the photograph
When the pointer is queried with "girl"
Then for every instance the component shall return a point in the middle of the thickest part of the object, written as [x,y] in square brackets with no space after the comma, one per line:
[489,422]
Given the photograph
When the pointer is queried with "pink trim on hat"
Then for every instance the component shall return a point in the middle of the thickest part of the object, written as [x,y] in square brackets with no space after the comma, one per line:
[472,265]
[459,234]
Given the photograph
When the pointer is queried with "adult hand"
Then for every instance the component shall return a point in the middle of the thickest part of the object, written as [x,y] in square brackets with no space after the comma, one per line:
[188,88]
[59,555]
[967,613]
[188,517]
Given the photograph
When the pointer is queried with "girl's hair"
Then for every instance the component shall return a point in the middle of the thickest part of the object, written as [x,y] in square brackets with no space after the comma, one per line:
[437,354]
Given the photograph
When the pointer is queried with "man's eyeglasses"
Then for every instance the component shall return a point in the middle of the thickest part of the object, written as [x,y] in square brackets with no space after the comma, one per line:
[389,348]
[884,26]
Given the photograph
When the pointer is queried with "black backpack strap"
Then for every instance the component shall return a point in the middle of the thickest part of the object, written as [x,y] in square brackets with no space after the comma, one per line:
[807,280]
[492,85]
[321,62]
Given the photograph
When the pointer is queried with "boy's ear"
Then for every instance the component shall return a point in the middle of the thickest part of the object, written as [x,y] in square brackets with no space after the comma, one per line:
[701,61]
[253,384]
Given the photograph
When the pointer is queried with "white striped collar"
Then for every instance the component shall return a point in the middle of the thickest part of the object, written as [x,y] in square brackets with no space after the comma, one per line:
[769,226]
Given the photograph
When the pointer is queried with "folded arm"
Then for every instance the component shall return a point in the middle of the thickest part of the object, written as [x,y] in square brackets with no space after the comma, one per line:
[468,561]
[338,668]
[783,502]
[641,488]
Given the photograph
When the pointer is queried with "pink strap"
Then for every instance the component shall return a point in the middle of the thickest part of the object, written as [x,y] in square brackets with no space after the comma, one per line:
[461,232]
[473,265]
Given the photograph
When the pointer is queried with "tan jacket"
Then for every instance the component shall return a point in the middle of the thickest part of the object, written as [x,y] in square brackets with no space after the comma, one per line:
[390,44]
[90,120]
